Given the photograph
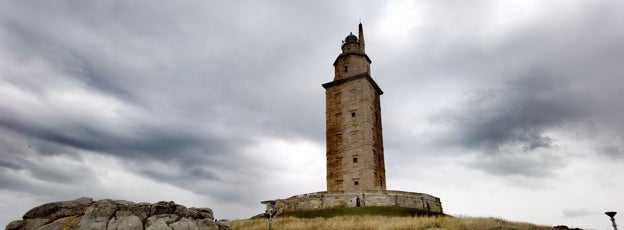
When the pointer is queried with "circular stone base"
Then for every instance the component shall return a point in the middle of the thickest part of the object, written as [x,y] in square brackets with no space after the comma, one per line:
[345,199]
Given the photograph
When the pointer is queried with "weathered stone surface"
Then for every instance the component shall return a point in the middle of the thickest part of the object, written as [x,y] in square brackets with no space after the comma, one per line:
[16,224]
[166,218]
[204,213]
[223,226]
[324,200]
[35,223]
[56,225]
[63,223]
[141,210]
[182,211]
[85,214]
[97,216]
[184,224]
[61,209]
[123,204]
[162,207]
[158,225]
[123,213]
[72,222]
[206,224]
[126,221]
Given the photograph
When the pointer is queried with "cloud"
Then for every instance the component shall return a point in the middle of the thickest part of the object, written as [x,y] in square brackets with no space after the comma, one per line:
[10,165]
[615,151]
[517,115]
[575,213]
[545,86]
[517,127]
[512,164]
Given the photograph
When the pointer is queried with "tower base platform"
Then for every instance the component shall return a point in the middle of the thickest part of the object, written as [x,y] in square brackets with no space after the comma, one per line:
[368,198]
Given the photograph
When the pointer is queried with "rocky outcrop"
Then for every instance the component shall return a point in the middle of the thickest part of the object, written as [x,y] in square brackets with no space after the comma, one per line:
[87,214]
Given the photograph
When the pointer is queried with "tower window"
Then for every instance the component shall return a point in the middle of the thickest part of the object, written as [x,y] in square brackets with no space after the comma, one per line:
[346,68]
[356,182]
[352,114]
[355,160]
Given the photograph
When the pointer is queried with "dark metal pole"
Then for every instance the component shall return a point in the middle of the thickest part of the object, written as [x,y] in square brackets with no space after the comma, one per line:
[612,215]
[271,220]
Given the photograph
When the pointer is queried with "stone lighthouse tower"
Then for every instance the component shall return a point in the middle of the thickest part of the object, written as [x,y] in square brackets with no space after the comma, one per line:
[355,153]
[356,174]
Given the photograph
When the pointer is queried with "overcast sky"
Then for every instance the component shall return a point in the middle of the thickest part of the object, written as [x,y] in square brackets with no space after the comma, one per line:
[510,109]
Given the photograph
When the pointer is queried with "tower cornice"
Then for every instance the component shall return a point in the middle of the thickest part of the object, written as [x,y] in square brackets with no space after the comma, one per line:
[367,76]
[352,53]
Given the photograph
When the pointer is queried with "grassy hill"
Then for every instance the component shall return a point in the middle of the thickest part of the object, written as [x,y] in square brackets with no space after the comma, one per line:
[378,218]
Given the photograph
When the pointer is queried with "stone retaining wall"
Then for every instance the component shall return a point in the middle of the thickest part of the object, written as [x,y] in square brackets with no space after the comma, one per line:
[326,200]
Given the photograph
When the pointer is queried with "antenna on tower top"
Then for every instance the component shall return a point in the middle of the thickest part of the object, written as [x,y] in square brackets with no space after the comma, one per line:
[361,37]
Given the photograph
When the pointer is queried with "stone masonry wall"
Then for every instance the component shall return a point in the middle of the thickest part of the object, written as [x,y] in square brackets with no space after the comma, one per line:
[325,200]
[354,143]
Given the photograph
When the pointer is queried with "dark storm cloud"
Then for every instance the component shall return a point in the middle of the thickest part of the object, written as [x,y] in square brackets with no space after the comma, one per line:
[614,151]
[10,165]
[509,126]
[518,114]
[159,141]
[159,90]
[51,173]
[199,173]
[226,65]
[536,165]
[29,164]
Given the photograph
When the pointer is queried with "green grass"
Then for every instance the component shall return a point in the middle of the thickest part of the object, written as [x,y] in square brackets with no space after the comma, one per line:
[379,218]
[360,211]
[368,222]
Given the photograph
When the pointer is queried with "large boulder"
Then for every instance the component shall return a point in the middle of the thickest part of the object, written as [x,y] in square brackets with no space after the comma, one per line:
[162,208]
[59,210]
[125,220]
[87,214]
[98,215]
[184,224]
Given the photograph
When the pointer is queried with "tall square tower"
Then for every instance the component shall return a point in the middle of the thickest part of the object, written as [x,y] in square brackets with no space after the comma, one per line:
[355,154]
